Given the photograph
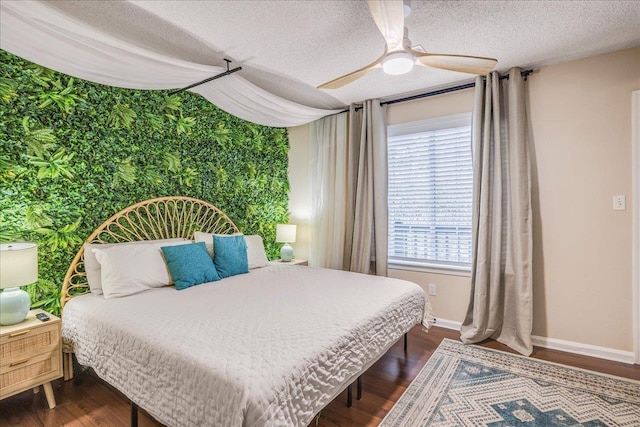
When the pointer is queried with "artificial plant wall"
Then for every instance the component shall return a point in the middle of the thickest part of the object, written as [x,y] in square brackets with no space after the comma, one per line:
[74,153]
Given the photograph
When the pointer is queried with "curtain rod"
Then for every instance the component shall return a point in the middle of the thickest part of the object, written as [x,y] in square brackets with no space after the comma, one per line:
[428,94]
[217,76]
[524,74]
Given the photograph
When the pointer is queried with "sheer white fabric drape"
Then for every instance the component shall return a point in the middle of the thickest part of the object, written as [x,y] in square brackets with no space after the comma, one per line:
[501,301]
[328,162]
[42,34]
[349,184]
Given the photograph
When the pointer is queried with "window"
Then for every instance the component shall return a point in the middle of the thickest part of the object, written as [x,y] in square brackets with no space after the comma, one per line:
[430,191]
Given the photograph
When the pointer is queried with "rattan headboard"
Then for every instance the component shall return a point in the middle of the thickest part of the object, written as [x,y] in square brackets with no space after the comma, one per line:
[163,218]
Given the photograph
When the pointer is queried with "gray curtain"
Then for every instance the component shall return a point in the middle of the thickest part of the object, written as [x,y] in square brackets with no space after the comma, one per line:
[350,190]
[501,301]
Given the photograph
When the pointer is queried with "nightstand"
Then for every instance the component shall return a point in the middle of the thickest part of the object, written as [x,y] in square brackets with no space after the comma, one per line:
[30,356]
[292,262]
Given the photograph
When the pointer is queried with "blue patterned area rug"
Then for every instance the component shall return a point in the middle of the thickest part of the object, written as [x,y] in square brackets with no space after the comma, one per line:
[473,386]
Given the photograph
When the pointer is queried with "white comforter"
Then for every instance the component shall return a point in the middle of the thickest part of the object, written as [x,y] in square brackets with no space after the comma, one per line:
[268,348]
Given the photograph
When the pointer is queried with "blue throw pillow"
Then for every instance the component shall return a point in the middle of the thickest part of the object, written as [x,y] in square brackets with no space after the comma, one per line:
[230,255]
[189,265]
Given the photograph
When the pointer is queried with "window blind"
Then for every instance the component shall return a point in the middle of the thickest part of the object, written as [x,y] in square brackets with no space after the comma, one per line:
[430,191]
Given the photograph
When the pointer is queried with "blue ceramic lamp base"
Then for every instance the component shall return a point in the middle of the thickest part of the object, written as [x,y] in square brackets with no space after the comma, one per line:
[14,306]
[286,253]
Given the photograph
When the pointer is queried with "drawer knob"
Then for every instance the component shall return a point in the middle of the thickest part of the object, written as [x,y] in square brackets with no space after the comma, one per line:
[17,334]
[19,362]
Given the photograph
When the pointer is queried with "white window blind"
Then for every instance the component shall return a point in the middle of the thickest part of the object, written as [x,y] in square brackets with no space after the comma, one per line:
[430,191]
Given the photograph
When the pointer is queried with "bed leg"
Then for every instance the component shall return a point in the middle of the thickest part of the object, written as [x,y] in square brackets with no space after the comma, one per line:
[359,388]
[134,415]
[67,366]
[349,396]
[405,343]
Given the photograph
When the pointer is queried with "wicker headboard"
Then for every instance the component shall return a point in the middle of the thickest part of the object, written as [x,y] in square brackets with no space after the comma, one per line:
[162,218]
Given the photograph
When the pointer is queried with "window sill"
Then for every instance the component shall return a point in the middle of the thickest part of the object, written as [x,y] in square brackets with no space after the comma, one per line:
[431,268]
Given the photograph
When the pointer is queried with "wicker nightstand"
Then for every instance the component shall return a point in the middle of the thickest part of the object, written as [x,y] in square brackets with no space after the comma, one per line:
[30,356]
[292,262]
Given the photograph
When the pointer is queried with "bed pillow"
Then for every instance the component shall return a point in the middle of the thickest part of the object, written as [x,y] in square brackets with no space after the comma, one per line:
[207,238]
[92,266]
[130,269]
[256,255]
[230,255]
[189,265]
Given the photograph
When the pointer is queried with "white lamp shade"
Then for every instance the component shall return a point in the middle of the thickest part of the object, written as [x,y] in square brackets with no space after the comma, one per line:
[18,264]
[285,233]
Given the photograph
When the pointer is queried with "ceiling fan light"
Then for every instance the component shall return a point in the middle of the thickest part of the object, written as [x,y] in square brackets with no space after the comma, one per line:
[398,63]
[406,7]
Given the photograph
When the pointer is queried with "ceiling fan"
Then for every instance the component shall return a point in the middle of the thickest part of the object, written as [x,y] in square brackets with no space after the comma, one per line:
[399,57]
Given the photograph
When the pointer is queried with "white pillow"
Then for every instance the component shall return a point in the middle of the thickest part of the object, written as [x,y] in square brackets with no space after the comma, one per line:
[92,266]
[128,270]
[255,252]
[207,238]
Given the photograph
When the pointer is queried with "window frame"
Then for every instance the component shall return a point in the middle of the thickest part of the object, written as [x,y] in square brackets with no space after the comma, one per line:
[414,127]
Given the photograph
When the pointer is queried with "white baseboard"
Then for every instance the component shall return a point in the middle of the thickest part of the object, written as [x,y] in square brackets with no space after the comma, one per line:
[562,345]
[585,349]
[448,324]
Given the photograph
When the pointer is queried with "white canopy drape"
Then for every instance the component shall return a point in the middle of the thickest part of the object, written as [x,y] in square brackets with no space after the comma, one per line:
[42,34]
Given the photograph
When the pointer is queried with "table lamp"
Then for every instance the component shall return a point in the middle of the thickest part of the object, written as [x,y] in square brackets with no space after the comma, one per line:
[18,267]
[286,233]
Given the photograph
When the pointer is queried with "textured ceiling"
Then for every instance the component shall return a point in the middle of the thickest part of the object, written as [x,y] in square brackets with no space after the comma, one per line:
[290,47]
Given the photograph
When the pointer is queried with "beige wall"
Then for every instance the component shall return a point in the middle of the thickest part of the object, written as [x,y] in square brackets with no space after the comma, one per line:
[581,127]
[299,189]
[581,118]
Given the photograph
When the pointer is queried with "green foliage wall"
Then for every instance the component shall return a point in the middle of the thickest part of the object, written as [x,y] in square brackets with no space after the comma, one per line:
[73,153]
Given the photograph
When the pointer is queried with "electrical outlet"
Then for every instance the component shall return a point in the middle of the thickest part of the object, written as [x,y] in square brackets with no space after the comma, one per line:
[432,288]
[619,203]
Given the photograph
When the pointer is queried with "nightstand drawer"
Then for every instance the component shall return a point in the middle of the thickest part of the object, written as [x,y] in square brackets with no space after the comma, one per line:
[30,355]
[29,372]
[28,342]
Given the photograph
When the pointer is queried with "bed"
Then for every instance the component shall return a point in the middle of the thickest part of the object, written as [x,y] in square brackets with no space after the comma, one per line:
[267,348]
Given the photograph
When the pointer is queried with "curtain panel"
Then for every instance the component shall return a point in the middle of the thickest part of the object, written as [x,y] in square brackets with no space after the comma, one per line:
[501,300]
[328,163]
[349,184]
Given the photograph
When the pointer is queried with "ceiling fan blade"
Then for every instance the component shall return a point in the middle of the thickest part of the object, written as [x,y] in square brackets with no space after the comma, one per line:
[389,17]
[461,63]
[348,78]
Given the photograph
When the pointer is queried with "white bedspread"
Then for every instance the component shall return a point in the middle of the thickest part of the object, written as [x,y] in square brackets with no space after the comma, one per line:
[268,348]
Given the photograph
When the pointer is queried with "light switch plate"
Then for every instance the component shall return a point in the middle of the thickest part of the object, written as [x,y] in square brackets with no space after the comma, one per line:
[619,203]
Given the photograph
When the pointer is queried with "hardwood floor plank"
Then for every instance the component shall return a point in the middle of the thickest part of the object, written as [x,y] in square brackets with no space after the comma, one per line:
[87,401]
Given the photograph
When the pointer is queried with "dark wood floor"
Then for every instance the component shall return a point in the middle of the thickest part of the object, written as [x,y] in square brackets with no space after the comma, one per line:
[88,401]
